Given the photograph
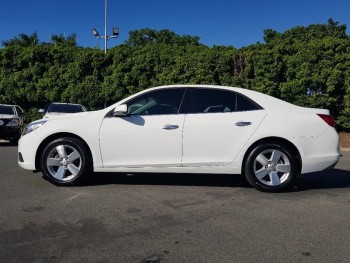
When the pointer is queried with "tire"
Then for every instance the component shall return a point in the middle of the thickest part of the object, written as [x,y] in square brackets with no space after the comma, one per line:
[271,167]
[66,161]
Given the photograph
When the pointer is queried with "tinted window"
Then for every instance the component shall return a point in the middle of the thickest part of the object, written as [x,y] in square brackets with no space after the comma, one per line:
[211,101]
[65,108]
[7,110]
[246,104]
[19,111]
[158,102]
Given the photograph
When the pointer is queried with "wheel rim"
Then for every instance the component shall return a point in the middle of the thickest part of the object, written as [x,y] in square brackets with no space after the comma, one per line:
[272,167]
[64,162]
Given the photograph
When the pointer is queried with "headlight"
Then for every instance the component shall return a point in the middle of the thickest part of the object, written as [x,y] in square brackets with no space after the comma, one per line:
[33,126]
[13,123]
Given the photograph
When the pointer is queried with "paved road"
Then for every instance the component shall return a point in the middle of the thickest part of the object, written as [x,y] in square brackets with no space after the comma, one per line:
[172,218]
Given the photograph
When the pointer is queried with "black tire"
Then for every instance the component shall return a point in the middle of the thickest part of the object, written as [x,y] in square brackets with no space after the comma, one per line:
[277,162]
[66,161]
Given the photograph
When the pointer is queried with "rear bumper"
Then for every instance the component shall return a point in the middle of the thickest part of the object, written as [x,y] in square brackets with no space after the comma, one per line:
[331,166]
[316,164]
[320,152]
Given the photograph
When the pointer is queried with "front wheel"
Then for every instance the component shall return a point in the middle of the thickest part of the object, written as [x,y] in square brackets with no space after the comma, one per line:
[65,161]
[271,167]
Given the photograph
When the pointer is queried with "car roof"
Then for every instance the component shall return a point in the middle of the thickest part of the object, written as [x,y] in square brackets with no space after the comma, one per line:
[10,105]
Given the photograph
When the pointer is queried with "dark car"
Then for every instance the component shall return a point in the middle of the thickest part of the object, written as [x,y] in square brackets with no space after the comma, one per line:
[58,108]
[11,122]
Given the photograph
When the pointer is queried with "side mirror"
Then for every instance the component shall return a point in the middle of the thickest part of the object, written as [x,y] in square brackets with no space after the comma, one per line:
[41,111]
[120,110]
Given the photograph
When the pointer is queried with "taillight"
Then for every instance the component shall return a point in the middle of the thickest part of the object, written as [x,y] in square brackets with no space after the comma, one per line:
[328,119]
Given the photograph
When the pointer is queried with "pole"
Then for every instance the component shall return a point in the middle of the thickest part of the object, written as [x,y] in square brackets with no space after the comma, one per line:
[106,5]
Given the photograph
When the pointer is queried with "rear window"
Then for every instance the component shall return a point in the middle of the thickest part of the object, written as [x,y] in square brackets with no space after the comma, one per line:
[211,101]
[206,100]
[246,104]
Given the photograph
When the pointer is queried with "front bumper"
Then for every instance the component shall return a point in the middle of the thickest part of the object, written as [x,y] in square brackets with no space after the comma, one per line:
[9,132]
[27,148]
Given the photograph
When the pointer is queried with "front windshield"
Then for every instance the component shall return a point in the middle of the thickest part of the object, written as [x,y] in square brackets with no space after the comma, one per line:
[6,110]
[65,108]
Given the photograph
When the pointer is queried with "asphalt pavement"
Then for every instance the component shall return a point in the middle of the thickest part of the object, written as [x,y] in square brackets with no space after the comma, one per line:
[172,218]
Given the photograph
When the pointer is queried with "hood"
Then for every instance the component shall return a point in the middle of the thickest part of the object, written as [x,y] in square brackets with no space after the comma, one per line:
[61,115]
[53,114]
[8,116]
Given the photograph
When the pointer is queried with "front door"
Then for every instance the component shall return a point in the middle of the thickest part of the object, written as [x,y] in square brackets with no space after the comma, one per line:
[150,135]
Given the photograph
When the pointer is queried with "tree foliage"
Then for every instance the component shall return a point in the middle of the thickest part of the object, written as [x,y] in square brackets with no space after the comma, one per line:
[22,40]
[307,66]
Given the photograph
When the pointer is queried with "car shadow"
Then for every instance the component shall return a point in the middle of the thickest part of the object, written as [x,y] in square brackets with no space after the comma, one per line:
[329,179]
[169,179]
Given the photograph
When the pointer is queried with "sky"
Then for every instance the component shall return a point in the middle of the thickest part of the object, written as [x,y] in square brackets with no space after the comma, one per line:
[217,22]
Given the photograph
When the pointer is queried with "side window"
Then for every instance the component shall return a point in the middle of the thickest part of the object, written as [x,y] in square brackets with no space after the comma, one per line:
[158,102]
[246,104]
[211,101]
[19,111]
[14,110]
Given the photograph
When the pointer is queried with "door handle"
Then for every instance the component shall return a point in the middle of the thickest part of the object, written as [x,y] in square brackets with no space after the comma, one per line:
[170,127]
[243,123]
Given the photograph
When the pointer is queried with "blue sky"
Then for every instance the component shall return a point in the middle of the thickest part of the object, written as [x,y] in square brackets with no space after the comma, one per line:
[216,22]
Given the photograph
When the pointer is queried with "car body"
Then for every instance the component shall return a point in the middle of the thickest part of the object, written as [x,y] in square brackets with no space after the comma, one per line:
[11,122]
[186,129]
[58,108]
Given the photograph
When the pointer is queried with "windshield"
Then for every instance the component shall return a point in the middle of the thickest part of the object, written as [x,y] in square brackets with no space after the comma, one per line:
[7,110]
[66,108]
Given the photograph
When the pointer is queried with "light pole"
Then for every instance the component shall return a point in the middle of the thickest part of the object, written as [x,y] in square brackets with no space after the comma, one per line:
[115,30]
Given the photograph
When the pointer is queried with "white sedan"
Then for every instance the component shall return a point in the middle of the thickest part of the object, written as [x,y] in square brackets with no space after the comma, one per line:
[185,129]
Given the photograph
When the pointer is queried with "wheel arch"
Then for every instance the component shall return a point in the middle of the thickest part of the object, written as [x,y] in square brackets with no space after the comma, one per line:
[54,137]
[279,140]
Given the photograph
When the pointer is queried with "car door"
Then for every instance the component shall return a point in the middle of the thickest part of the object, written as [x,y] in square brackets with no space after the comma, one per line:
[150,135]
[217,125]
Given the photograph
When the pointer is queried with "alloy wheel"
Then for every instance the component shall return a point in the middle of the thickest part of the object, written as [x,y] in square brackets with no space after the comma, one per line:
[64,162]
[272,167]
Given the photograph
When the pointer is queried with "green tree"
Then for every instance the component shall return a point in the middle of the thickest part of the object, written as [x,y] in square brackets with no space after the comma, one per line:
[308,66]
[22,40]
[60,39]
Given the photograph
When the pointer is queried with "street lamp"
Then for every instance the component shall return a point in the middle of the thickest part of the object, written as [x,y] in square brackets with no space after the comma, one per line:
[96,34]
[115,30]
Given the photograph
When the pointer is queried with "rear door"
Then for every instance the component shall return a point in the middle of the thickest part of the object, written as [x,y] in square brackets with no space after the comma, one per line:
[217,125]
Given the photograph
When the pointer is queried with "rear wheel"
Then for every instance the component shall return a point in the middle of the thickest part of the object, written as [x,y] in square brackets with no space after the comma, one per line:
[271,167]
[66,161]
